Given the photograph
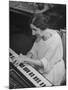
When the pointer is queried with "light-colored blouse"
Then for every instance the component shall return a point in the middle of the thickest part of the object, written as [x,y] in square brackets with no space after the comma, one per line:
[48,50]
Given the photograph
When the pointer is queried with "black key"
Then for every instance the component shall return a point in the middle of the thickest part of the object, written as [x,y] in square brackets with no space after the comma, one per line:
[26,69]
[10,54]
[37,79]
[21,65]
[42,84]
[31,74]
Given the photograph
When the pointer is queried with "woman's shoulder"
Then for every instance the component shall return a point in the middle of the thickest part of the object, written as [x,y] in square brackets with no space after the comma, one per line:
[53,32]
[53,38]
[50,33]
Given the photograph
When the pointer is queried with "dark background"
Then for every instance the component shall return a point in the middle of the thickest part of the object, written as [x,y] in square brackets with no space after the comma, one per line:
[20,32]
[21,39]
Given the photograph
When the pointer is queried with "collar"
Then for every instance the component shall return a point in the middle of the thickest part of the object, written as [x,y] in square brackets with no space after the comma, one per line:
[44,36]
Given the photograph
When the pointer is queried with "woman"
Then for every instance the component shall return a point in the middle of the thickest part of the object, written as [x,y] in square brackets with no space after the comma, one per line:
[46,54]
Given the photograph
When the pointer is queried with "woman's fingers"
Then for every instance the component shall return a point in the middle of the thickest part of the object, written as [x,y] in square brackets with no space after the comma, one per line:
[17,63]
[21,55]
[20,59]
[14,60]
[24,58]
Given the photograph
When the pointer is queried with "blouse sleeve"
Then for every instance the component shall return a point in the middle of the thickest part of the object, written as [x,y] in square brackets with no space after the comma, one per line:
[50,53]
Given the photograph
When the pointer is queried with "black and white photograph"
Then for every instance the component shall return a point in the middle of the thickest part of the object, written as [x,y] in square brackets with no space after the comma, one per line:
[37,44]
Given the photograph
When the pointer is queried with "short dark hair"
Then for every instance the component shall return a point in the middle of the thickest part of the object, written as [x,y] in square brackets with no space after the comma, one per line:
[40,21]
[48,20]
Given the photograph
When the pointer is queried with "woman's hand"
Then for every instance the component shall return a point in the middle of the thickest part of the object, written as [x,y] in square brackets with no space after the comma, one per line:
[29,55]
[20,59]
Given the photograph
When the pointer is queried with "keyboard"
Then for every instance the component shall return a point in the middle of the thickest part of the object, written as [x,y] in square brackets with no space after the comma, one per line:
[30,73]
[17,79]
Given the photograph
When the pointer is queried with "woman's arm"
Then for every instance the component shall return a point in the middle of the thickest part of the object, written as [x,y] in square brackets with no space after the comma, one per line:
[31,61]
[25,59]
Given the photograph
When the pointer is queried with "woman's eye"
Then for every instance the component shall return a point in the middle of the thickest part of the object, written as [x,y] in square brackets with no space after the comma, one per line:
[34,29]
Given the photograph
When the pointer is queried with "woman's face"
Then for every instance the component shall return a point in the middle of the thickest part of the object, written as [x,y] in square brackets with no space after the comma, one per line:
[35,31]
